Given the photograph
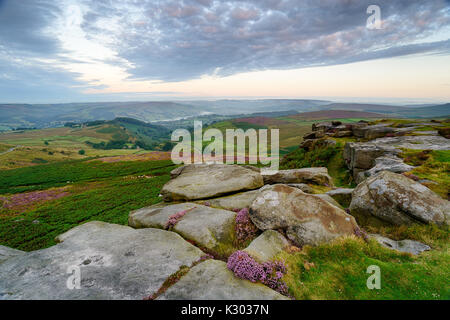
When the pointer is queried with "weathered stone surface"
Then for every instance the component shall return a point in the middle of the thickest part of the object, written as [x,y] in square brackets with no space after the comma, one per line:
[342,134]
[388,163]
[409,246]
[342,195]
[203,181]
[317,176]
[208,227]
[7,253]
[211,280]
[233,202]
[328,199]
[396,199]
[302,186]
[306,218]
[156,216]
[371,132]
[266,246]
[116,262]
[363,155]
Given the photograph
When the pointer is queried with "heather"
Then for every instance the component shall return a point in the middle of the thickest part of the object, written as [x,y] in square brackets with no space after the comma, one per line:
[22,202]
[245,229]
[268,273]
[92,197]
[173,219]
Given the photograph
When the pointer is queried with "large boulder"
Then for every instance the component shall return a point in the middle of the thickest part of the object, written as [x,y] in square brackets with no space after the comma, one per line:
[7,253]
[203,181]
[266,246]
[395,199]
[211,280]
[409,246]
[318,176]
[208,227]
[115,262]
[306,218]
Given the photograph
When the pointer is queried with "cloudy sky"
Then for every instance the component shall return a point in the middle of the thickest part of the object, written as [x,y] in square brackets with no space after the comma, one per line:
[83,50]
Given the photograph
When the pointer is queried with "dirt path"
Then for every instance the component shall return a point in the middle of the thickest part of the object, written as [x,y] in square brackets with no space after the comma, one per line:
[10,150]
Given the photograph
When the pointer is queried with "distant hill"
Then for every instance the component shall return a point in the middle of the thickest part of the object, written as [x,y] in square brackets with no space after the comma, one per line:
[377,108]
[54,115]
[336,114]
[442,110]
[393,111]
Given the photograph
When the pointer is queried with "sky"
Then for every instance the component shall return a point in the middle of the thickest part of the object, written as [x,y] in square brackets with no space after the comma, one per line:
[103,50]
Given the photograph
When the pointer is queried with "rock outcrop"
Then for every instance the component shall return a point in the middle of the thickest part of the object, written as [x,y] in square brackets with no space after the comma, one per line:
[207,227]
[203,181]
[211,280]
[395,199]
[115,262]
[306,218]
[318,176]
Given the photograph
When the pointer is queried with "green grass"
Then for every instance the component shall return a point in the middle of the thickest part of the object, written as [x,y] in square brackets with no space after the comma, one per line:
[339,272]
[109,201]
[431,165]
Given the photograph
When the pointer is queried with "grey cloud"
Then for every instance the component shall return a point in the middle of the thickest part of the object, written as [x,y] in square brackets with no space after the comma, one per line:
[186,39]
[180,40]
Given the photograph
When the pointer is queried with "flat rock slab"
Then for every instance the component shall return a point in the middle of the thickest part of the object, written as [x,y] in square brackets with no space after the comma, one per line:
[415,142]
[318,176]
[211,280]
[208,227]
[395,199]
[306,218]
[203,181]
[409,246]
[267,245]
[115,262]
[7,253]
[233,202]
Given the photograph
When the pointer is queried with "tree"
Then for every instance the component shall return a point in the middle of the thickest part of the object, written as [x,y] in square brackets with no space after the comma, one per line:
[82,152]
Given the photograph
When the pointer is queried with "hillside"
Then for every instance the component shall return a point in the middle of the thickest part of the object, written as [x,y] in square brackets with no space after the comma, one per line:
[121,136]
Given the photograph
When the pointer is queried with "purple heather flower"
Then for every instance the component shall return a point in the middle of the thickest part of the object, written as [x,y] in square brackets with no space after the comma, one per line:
[245,267]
